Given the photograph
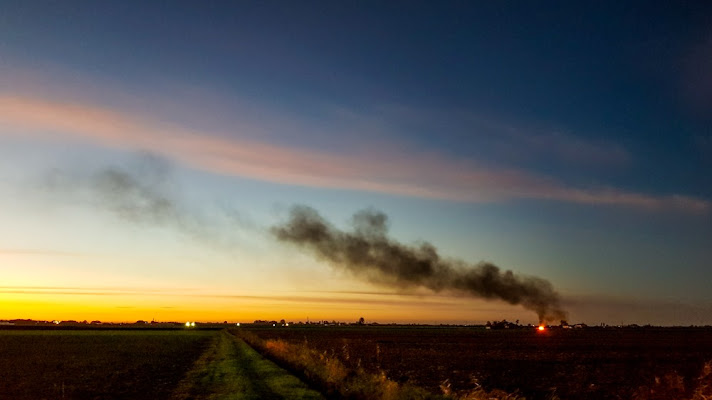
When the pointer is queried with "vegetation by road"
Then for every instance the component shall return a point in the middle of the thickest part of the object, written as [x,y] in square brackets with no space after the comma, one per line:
[326,371]
[472,363]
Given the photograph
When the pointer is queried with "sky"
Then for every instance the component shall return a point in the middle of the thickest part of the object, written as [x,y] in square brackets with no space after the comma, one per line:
[150,151]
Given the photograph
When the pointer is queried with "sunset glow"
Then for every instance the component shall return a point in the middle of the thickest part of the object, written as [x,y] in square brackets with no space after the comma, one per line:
[398,163]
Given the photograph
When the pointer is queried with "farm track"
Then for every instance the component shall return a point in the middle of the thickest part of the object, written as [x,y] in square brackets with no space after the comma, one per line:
[231,370]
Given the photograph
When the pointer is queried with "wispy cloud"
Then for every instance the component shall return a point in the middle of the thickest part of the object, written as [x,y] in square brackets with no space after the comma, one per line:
[519,142]
[572,149]
[333,297]
[37,252]
[93,291]
[418,174]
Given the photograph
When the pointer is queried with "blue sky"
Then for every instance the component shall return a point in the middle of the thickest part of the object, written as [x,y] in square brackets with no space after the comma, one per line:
[567,141]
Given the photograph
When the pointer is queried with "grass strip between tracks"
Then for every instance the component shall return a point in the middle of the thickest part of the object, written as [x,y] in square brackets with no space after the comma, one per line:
[230,369]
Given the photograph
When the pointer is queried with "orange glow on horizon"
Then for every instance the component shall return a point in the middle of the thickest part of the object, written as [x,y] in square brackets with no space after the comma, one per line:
[541,328]
[115,305]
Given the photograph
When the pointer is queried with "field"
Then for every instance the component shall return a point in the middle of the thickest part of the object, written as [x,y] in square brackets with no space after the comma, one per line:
[71,364]
[138,364]
[570,364]
[355,362]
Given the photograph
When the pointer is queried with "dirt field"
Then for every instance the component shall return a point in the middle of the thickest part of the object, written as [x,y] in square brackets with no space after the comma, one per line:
[573,364]
[138,364]
[80,364]
[196,364]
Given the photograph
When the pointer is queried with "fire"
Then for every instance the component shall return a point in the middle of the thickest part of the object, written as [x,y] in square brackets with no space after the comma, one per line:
[541,328]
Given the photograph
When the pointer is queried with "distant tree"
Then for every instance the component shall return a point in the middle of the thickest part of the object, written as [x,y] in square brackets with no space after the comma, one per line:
[361,321]
[503,324]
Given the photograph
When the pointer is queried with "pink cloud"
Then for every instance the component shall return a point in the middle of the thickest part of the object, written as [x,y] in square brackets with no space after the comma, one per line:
[418,174]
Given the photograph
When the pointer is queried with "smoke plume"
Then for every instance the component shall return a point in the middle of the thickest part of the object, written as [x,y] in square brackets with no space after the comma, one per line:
[367,252]
[144,194]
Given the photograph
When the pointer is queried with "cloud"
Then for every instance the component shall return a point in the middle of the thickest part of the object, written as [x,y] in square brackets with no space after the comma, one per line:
[573,149]
[416,174]
[37,252]
[520,143]
[299,298]
[104,291]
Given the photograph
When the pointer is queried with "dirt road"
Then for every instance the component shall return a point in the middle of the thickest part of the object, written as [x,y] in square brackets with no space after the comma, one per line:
[230,369]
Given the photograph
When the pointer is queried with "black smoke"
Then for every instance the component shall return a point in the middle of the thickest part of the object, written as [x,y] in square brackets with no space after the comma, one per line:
[136,199]
[367,252]
[145,193]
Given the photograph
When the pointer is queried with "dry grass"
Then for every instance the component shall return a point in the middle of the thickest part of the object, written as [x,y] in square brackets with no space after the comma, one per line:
[672,386]
[325,371]
[703,391]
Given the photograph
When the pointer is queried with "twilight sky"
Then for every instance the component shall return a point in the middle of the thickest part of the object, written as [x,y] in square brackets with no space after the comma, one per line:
[147,149]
